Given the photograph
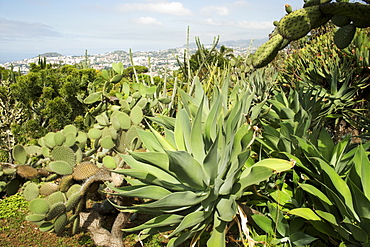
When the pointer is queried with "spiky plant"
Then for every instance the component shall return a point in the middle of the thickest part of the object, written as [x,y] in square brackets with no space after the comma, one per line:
[195,175]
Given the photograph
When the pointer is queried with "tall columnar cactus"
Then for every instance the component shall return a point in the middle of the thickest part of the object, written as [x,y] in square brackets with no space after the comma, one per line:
[315,13]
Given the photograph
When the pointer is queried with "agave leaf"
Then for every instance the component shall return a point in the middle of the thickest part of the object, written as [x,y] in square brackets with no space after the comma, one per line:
[226,208]
[251,175]
[357,232]
[179,240]
[264,222]
[233,120]
[160,221]
[242,138]
[281,224]
[166,122]
[141,191]
[162,140]
[196,136]
[327,216]
[182,131]
[338,153]
[187,169]
[278,165]
[340,185]
[316,192]
[362,165]
[176,200]
[188,221]
[362,202]
[338,202]
[186,99]
[325,144]
[157,159]
[149,169]
[305,213]
[210,128]
[301,239]
[149,140]
[210,162]
[217,238]
[308,147]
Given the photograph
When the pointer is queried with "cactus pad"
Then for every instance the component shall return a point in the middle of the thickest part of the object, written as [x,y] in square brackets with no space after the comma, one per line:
[94,133]
[33,150]
[59,138]
[48,188]
[136,115]
[298,23]
[46,226]
[64,153]
[35,217]
[340,20]
[344,35]
[27,172]
[19,154]
[81,139]
[70,139]
[70,129]
[60,223]
[31,191]
[267,52]
[56,197]
[39,206]
[360,23]
[61,167]
[107,142]
[9,171]
[65,183]
[55,210]
[352,10]
[49,140]
[76,224]
[74,189]
[109,162]
[84,170]
[121,120]
[73,201]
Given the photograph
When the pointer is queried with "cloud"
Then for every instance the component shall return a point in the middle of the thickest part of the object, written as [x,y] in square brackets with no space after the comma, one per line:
[18,29]
[255,25]
[219,10]
[162,7]
[147,21]
[241,3]
[212,22]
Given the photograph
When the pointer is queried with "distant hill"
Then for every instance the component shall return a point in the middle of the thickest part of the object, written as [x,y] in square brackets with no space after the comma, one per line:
[51,54]
[242,43]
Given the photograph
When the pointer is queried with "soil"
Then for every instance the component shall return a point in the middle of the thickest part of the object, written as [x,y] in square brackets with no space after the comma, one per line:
[19,233]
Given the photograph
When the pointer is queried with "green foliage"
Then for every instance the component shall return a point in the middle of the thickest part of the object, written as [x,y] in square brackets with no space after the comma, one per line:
[335,76]
[297,24]
[197,173]
[12,206]
[49,99]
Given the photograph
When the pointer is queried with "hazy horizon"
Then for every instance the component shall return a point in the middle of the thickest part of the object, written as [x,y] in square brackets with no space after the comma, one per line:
[71,27]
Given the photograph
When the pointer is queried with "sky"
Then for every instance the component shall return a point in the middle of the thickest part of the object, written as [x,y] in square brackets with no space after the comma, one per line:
[32,27]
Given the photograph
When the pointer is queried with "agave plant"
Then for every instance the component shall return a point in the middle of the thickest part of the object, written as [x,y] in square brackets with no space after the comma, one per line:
[337,190]
[195,175]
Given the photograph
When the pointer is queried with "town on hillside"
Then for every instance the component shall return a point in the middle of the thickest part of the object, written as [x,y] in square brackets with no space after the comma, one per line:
[154,59]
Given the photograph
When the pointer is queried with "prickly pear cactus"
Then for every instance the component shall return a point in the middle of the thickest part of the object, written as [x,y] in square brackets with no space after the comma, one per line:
[315,13]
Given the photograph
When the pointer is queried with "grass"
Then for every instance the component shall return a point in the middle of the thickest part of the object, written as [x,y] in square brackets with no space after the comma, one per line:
[16,232]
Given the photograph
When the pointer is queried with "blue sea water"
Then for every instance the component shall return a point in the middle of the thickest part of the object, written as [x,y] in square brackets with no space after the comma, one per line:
[6,57]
